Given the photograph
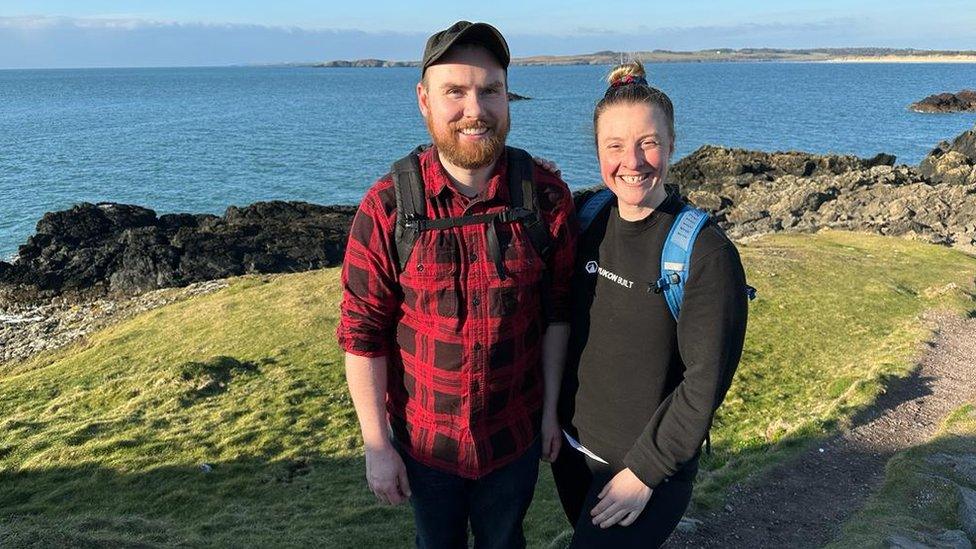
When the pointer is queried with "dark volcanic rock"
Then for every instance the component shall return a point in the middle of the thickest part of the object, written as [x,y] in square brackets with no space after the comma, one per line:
[953,163]
[710,163]
[516,97]
[947,102]
[751,192]
[785,194]
[103,248]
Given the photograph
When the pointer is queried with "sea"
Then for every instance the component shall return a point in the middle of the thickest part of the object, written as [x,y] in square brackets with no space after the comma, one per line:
[201,139]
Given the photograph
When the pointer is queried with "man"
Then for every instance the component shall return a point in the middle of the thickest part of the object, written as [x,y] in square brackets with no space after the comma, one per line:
[454,316]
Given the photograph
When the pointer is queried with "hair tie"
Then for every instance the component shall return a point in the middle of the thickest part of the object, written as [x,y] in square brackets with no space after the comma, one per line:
[629,79]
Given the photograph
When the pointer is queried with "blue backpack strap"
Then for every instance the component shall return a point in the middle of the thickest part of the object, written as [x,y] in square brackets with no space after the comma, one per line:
[593,206]
[676,256]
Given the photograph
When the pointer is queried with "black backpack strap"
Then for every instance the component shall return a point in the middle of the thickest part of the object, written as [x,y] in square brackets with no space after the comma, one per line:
[412,217]
[411,205]
[451,222]
[522,194]
[525,205]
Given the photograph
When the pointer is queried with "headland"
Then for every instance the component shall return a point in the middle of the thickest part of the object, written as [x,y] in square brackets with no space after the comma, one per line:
[720,55]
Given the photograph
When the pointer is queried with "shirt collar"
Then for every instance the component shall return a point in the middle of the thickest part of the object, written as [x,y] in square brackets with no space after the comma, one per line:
[437,181]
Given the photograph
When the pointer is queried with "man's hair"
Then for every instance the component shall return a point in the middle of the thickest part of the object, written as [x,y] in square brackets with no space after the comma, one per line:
[628,85]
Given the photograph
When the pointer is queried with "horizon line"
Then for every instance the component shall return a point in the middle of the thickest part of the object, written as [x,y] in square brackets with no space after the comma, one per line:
[515,60]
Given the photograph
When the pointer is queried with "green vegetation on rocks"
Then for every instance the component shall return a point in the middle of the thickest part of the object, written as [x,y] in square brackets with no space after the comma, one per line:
[929,492]
[223,420]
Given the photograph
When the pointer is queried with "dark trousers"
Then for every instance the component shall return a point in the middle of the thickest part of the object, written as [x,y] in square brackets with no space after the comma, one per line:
[495,504]
[579,480]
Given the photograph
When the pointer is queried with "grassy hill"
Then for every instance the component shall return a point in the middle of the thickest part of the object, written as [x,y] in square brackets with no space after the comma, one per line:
[104,443]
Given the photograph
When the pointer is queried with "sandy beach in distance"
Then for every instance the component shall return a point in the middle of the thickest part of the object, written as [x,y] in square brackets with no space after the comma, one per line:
[904,59]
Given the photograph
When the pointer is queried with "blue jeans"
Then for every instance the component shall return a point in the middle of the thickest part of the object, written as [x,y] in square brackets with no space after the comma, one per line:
[495,504]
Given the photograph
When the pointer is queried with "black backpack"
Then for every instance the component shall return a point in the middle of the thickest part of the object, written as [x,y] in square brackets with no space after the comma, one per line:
[412,209]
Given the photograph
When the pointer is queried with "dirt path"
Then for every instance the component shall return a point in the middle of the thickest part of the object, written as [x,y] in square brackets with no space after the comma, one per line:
[804,502]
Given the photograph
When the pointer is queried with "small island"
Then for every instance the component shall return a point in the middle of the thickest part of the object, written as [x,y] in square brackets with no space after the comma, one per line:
[964,101]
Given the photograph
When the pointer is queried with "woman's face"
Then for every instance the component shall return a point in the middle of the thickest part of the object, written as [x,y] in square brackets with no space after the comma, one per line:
[634,146]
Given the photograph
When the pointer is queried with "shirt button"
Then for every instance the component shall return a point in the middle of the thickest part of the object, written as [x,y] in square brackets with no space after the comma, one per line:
[477,346]
[420,267]
[475,301]
[473,258]
[475,386]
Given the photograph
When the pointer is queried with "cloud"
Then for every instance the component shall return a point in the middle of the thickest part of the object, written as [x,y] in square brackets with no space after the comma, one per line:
[44,22]
[48,42]
[130,23]
[30,23]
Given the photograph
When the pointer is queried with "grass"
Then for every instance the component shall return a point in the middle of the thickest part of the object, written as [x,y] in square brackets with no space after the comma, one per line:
[919,491]
[838,314]
[102,443]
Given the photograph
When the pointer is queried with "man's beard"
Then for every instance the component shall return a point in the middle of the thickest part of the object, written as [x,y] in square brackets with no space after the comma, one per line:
[469,156]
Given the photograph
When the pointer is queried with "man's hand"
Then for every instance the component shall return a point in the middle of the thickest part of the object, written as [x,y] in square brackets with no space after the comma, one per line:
[621,500]
[547,165]
[552,437]
[387,476]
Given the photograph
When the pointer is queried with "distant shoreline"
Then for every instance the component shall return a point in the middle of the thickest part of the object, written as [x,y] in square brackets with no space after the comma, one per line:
[906,59]
[825,55]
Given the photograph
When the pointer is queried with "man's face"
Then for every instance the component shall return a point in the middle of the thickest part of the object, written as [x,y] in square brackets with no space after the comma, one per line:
[463,100]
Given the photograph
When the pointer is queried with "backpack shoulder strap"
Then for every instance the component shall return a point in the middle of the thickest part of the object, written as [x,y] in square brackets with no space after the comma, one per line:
[408,185]
[676,256]
[522,195]
[592,207]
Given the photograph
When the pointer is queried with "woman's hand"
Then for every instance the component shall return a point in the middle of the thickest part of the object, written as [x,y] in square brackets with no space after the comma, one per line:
[547,165]
[621,500]
[552,437]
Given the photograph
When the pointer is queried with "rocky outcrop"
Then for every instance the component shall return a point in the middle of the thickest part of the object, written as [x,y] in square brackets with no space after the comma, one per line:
[953,163]
[883,199]
[710,165]
[956,472]
[750,192]
[106,248]
[27,329]
[118,248]
[947,102]
[516,97]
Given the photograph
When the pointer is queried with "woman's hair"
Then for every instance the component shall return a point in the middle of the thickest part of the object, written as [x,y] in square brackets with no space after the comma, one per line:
[628,85]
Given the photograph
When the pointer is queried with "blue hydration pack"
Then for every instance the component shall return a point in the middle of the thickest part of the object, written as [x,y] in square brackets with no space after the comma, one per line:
[676,255]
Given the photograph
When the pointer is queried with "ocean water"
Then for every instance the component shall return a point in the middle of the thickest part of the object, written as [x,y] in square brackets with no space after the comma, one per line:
[200,139]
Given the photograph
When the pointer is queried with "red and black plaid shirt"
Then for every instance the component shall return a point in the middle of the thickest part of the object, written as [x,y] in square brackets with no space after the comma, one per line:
[465,379]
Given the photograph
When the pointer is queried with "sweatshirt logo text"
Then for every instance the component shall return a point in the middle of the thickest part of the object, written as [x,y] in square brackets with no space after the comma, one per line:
[593,268]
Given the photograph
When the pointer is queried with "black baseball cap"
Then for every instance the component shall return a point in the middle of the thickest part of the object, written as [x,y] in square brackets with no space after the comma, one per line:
[465,32]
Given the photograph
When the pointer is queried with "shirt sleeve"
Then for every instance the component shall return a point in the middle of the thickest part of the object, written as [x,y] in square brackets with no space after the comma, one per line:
[556,204]
[711,331]
[369,281]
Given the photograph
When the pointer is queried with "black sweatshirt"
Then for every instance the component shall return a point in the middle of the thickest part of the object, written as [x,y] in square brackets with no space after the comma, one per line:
[649,386]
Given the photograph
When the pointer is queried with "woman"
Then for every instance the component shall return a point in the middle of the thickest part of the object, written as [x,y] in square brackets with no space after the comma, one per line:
[648,384]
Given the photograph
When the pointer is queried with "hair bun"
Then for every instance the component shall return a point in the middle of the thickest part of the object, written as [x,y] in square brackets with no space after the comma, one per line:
[627,73]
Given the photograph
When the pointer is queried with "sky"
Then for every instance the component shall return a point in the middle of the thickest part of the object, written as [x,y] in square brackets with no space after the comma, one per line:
[145,33]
